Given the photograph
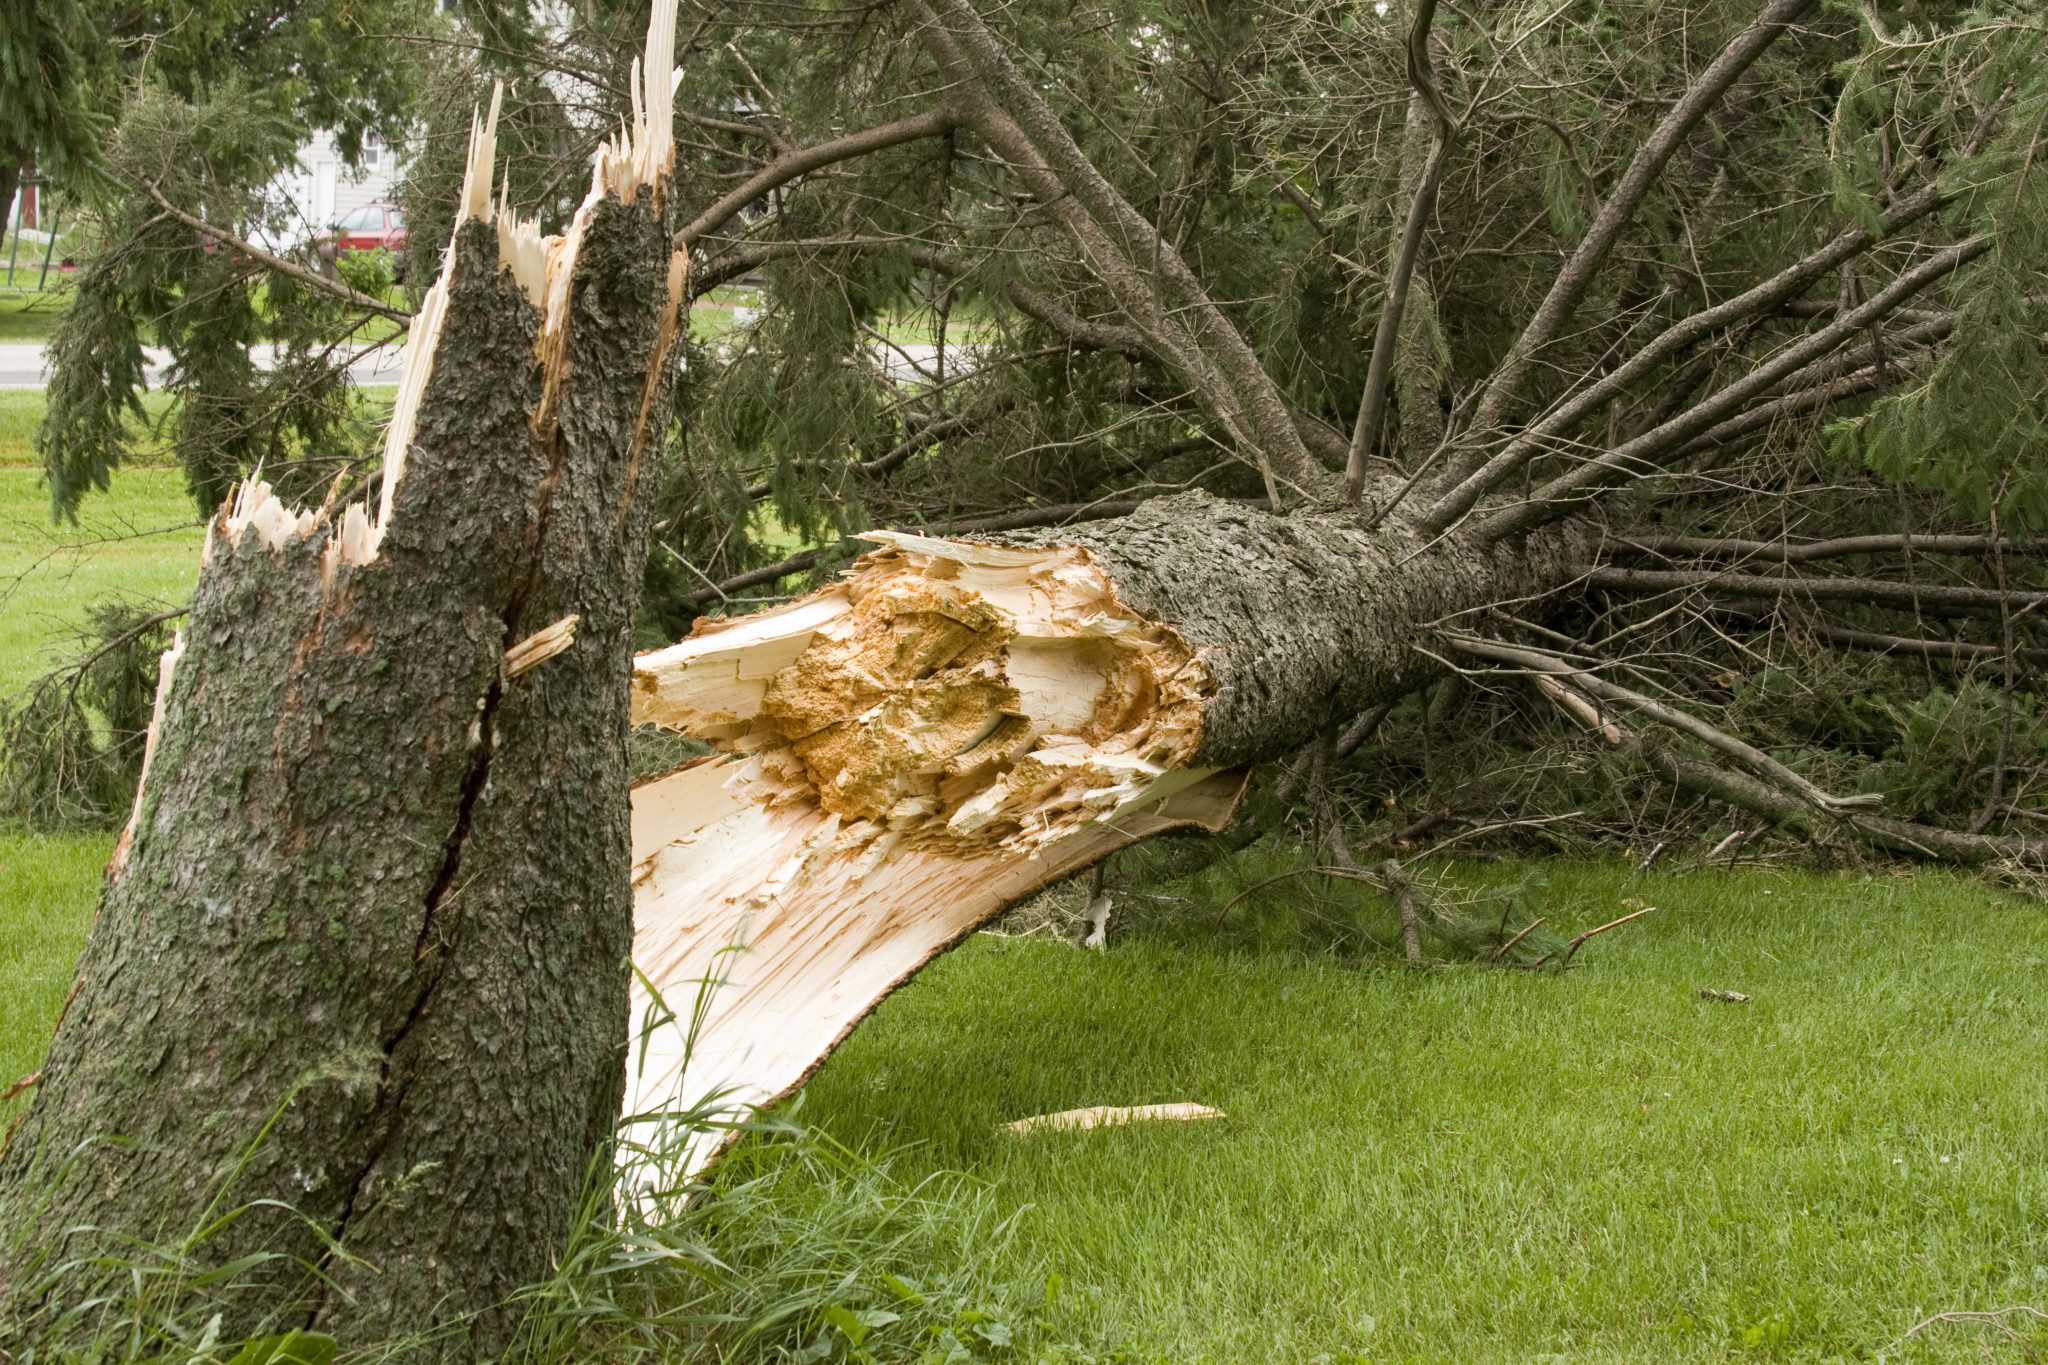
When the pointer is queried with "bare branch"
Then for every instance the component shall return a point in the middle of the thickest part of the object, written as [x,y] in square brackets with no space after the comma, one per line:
[1748,755]
[1635,184]
[1923,648]
[804,160]
[1926,598]
[922,437]
[1558,497]
[1475,483]
[337,288]
[1755,795]
[1164,299]
[1443,136]
[1792,552]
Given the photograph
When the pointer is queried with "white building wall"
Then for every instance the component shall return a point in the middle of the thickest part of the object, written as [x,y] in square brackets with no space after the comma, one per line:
[323,189]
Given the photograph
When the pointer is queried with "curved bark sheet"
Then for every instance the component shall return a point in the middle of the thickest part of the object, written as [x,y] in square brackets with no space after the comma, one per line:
[933,738]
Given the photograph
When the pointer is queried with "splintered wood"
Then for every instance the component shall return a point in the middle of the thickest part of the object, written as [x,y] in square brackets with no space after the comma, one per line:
[1109,1116]
[908,751]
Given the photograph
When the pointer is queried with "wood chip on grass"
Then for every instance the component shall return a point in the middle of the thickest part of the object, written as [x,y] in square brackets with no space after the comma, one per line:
[1108,1116]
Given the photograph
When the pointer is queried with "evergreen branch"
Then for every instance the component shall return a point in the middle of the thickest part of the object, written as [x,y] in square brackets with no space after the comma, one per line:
[338,288]
[1559,496]
[1146,273]
[1443,137]
[1752,303]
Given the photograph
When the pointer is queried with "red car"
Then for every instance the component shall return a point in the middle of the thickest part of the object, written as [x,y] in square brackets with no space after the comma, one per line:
[366,229]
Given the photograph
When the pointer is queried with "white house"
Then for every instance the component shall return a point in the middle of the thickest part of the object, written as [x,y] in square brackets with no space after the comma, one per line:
[323,189]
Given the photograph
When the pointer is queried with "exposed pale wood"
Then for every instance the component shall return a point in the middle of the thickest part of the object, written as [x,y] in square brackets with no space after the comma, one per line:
[947,729]
[542,645]
[1108,1116]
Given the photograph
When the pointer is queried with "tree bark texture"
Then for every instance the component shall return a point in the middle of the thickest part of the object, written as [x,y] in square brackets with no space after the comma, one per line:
[956,723]
[364,950]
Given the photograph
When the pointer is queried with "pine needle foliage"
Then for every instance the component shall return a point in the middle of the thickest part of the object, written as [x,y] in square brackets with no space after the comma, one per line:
[71,744]
[1975,426]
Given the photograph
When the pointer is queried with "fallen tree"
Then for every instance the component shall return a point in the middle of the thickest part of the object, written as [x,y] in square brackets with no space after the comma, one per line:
[952,724]
[957,723]
[439,785]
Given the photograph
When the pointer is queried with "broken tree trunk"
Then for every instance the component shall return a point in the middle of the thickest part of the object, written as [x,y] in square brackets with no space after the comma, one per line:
[360,964]
[956,723]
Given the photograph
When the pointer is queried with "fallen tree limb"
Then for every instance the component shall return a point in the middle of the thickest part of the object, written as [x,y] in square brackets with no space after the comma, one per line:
[1923,648]
[1806,552]
[1579,272]
[1783,807]
[1931,599]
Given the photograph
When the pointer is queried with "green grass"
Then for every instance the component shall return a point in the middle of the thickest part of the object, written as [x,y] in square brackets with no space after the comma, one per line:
[50,575]
[52,882]
[1479,1165]
[1457,1164]
[29,315]
[141,542]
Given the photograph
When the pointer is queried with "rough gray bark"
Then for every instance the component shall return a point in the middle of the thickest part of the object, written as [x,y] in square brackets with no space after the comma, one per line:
[1309,619]
[377,894]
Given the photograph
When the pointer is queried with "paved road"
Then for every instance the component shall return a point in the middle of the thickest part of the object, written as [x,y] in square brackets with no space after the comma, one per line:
[22,365]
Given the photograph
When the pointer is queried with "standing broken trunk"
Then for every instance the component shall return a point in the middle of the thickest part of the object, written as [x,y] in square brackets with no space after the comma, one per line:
[360,964]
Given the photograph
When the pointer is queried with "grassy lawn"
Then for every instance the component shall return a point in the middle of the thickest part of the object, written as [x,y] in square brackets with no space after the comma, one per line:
[142,541]
[1474,1165]
[51,882]
[1456,1164]
[30,316]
